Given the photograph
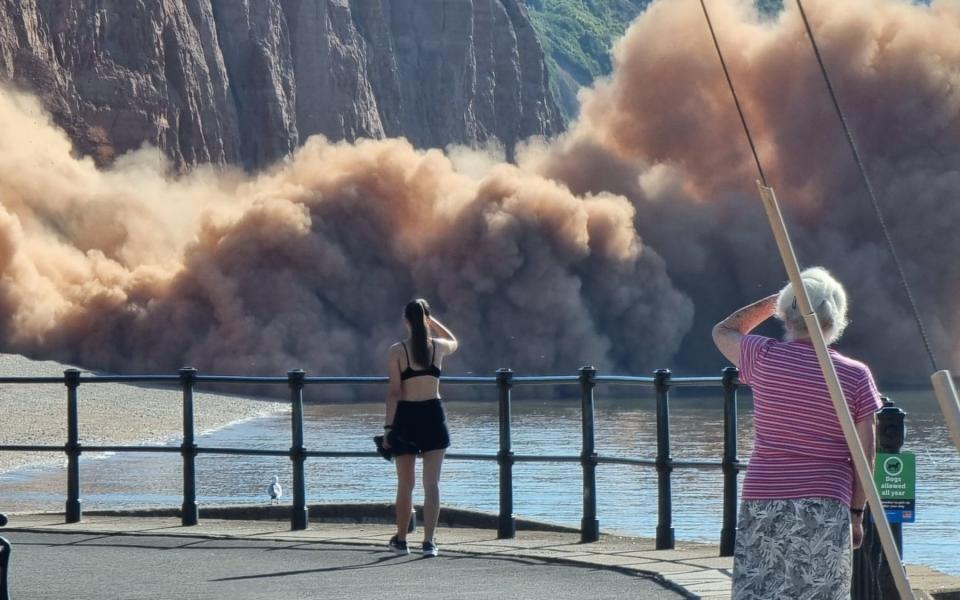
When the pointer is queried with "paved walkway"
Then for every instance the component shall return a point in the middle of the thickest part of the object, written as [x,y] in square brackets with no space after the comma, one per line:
[533,565]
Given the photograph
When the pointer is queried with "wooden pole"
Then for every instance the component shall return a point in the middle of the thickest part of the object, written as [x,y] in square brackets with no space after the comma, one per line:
[947,396]
[862,468]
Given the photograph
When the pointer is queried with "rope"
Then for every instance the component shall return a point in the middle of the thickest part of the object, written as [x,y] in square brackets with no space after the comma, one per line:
[869,187]
[736,99]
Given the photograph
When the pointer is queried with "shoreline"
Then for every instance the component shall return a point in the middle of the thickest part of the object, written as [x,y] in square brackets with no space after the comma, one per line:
[110,413]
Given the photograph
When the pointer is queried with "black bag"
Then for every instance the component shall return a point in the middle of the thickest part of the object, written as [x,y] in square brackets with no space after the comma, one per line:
[384,452]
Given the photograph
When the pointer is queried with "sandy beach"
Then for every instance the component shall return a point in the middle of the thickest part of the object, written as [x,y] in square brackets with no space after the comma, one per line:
[109,413]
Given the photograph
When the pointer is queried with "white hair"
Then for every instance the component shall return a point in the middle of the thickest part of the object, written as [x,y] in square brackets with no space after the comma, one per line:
[829,302]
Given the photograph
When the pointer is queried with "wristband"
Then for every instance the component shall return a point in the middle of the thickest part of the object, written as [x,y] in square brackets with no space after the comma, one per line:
[389,427]
[856,511]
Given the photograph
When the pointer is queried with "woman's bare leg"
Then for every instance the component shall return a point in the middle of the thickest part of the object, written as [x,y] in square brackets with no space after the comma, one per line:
[432,462]
[406,477]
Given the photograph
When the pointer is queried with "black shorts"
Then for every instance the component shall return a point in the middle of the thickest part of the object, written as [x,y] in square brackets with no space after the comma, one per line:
[419,426]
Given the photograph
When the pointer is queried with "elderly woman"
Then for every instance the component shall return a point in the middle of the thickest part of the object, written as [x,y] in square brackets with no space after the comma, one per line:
[800,494]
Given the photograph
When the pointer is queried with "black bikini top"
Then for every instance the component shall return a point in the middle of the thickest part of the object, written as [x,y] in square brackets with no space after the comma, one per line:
[433,370]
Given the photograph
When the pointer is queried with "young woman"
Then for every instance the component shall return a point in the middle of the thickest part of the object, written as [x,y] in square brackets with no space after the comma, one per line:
[801,500]
[415,422]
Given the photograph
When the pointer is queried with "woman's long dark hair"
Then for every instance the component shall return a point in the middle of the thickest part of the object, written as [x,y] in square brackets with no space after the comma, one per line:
[416,313]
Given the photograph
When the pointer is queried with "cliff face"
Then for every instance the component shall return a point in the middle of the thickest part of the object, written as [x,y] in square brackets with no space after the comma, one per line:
[246,81]
[577,37]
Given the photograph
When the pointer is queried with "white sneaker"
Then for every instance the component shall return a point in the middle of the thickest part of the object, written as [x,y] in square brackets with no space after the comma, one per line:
[430,549]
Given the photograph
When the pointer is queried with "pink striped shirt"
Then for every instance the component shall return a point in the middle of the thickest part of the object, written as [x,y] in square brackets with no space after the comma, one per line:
[799,450]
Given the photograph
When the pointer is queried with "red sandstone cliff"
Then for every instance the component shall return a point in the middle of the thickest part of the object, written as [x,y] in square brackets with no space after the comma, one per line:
[246,81]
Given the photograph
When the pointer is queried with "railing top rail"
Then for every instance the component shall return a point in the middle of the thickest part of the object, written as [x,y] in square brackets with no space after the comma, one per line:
[240,379]
[86,378]
[456,379]
[696,382]
[361,379]
[673,381]
[469,379]
[32,380]
[546,379]
[624,379]
[367,380]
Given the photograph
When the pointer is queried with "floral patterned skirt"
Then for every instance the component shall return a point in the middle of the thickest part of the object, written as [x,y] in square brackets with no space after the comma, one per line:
[798,549]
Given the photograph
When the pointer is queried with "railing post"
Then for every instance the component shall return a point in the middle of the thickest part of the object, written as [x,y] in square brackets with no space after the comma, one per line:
[872,579]
[589,525]
[5,550]
[665,538]
[298,514]
[189,512]
[506,524]
[728,534]
[71,378]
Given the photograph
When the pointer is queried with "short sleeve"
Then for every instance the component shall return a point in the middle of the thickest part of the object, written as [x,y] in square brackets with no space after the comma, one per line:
[752,349]
[868,397]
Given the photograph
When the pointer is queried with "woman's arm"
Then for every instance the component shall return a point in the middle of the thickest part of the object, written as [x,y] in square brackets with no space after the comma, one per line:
[867,432]
[393,390]
[440,331]
[728,332]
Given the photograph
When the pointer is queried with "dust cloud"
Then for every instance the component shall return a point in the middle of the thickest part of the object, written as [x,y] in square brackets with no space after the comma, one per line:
[618,244]
[664,132]
[134,268]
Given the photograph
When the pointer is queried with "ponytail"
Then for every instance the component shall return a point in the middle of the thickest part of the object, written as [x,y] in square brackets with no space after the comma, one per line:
[416,313]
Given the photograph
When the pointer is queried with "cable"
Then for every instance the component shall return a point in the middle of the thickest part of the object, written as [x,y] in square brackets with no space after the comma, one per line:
[736,99]
[867,184]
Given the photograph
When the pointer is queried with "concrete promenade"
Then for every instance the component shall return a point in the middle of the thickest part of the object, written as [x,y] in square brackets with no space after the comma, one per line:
[243,556]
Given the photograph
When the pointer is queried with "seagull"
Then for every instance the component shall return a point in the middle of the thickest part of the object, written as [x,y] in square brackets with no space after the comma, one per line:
[275,490]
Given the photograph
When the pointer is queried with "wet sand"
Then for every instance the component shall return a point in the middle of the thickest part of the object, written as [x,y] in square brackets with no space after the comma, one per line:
[110,413]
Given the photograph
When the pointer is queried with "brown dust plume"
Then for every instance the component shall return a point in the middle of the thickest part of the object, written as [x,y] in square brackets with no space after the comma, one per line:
[310,264]
[618,244]
[664,131]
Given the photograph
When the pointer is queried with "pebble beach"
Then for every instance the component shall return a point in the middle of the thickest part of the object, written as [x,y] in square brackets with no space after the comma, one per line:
[110,413]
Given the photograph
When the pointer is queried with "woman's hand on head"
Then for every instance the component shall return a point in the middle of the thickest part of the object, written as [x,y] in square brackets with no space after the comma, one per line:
[728,333]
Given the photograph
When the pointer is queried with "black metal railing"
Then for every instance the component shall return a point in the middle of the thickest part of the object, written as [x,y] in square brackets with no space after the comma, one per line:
[4,561]
[505,380]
